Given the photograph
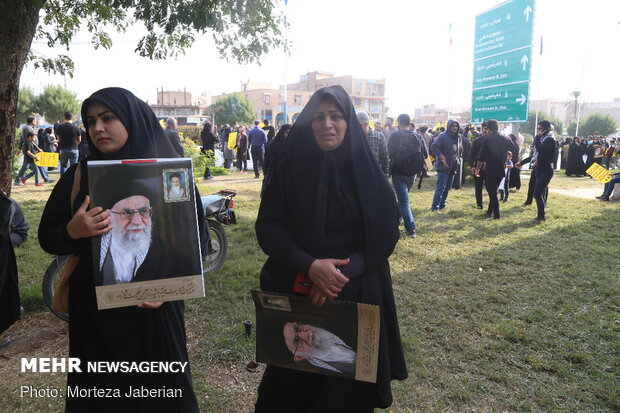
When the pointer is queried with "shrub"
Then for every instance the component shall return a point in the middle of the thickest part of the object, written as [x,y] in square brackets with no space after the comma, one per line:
[200,161]
[190,132]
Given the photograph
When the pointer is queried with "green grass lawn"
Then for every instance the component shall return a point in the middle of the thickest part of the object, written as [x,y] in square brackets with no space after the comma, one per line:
[495,316]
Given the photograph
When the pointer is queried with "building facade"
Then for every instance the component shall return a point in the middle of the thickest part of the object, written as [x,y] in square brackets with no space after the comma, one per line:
[179,105]
[431,116]
[268,103]
[366,94]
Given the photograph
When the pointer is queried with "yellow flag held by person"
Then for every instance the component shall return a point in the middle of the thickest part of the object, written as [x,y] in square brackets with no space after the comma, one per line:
[599,173]
[372,124]
[162,123]
[429,164]
[47,159]
[232,140]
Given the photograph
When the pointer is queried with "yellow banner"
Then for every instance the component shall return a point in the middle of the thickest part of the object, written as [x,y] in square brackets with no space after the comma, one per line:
[599,173]
[162,123]
[372,124]
[47,159]
[232,140]
[429,164]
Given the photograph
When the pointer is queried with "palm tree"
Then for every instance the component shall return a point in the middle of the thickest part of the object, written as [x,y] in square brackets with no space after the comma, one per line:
[574,102]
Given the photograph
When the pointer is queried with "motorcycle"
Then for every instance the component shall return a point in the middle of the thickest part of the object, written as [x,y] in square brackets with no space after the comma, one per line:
[218,211]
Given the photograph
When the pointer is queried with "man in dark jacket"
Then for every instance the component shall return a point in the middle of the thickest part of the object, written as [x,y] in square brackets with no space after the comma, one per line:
[448,151]
[545,150]
[173,135]
[493,152]
[257,140]
[269,130]
[401,181]
[480,175]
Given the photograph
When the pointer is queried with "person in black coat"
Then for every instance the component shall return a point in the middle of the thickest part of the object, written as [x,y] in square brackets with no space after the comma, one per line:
[329,213]
[478,173]
[546,150]
[574,160]
[493,153]
[242,151]
[119,126]
[595,152]
[209,139]
[19,226]
[9,288]
[515,173]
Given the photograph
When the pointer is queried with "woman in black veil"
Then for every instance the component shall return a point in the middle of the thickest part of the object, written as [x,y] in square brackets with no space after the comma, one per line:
[118,126]
[574,160]
[328,212]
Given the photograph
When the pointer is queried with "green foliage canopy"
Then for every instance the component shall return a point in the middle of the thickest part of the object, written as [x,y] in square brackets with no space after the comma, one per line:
[530,127]
[243,30]
[26,104]
[597,122]
[52,103]
[55,101]
[233,109]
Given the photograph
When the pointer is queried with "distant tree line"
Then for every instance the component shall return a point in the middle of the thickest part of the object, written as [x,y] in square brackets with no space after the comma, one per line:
[52,103]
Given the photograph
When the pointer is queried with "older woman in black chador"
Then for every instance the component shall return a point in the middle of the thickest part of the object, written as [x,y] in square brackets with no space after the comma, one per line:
[119,126]
[329,212]
[574,160]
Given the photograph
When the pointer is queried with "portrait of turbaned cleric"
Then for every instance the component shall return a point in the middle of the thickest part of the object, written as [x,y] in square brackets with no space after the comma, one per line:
[319,347]
[144,243]
[338,339]
[176,185]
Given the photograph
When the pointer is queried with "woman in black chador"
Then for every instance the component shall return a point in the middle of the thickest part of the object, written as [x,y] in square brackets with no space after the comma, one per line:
[328,212]
[118,126]
[574,160]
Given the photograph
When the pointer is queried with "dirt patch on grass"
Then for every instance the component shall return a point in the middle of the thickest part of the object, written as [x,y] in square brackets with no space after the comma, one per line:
[36,335]
[584,193]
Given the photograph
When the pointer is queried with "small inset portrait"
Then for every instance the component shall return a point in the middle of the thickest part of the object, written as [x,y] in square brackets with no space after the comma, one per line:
[275,302]
[176,188]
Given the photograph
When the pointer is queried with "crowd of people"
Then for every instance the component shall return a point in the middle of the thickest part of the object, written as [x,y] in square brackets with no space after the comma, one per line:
[66,139]
[258,143]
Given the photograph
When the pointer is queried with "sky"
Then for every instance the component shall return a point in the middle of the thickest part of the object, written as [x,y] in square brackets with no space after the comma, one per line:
[405,42]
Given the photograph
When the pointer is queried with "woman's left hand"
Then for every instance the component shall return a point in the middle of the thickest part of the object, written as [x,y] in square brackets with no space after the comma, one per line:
[153,305]
[318,299]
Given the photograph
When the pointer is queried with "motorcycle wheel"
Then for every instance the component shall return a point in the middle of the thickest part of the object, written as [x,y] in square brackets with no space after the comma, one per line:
[219,248]
[50,280]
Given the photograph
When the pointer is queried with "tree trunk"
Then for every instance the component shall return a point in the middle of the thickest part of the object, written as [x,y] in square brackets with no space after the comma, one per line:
[19,23]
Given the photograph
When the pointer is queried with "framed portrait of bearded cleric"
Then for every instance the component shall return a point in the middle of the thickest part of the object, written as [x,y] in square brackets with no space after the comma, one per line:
[152,252]
[338,339]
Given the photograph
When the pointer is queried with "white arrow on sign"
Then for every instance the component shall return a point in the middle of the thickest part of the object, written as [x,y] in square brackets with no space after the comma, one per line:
[527,12]
[522,99]
[524,61]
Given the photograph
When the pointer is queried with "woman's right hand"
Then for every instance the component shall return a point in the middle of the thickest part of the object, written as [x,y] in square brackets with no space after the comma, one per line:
[90,223]
[326,277]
